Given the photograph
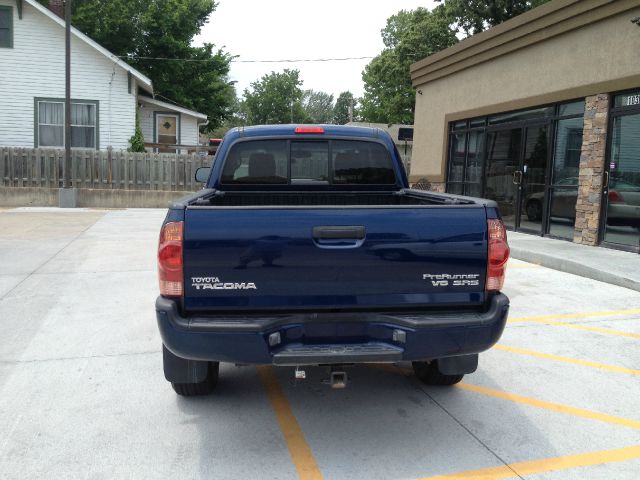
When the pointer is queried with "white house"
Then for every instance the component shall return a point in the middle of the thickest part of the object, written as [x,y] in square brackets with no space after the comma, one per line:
[169,123]
[105,90]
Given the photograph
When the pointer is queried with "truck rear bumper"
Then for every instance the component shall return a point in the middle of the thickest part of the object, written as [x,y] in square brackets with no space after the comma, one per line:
[319,338]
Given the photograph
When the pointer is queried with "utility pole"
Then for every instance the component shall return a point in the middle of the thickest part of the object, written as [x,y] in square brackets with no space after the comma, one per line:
[67,196]
[67,98]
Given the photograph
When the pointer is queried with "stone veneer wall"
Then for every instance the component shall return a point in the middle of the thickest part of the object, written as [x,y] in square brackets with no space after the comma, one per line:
[438,187]
[592,163]
[424,184]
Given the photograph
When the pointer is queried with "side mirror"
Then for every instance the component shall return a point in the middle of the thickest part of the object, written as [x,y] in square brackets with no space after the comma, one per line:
[202,174]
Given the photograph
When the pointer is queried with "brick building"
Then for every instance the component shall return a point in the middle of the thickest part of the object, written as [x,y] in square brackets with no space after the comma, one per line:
[542,114]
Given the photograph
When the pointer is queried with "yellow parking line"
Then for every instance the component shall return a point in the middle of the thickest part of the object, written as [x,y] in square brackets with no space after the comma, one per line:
[607,331]
[556,407]
[540,318]
[299,449]
[534,402]
[575,361]
[533,467]
[552,320]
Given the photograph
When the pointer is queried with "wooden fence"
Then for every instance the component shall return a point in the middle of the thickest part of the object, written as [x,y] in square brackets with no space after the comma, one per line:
[41,167]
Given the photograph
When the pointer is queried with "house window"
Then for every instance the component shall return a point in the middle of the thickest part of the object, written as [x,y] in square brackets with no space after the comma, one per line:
[6,27]
[83,125]
[50,124]
[50,128]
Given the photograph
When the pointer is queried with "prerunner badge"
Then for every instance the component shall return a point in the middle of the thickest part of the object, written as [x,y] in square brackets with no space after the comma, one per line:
[455,280]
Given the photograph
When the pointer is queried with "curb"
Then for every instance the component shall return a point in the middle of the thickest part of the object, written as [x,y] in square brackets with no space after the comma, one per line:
[575,268]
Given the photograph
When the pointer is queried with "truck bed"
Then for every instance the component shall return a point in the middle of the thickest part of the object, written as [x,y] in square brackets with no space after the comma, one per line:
[405,197]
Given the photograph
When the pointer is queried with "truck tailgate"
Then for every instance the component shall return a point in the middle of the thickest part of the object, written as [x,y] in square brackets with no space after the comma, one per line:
[321,258]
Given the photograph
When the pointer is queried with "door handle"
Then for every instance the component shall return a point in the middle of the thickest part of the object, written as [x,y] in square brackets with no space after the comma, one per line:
[517,177]
[335,237]
[339,233]
[605,180]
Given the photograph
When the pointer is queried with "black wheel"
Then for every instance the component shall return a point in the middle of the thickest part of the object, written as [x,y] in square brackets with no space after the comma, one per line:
[202,388]
[428,373]
[534,210]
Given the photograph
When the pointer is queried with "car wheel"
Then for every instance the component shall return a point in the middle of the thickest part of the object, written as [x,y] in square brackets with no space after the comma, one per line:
[202,388]
[428,373]
[534,211]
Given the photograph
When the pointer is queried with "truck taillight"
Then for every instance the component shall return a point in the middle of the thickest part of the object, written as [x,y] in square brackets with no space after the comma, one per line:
[498,255]
[170,272]
[309,130]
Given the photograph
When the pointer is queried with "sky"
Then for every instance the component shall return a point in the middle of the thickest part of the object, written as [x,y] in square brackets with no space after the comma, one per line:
[289,29]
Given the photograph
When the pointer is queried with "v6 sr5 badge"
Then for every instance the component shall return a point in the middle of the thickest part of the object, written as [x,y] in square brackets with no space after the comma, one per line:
[453,280]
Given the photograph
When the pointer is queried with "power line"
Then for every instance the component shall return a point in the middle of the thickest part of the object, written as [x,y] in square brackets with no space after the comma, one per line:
[285,60]
[300,60]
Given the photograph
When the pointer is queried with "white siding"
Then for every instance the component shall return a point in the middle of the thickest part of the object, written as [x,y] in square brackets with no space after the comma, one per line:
[146,122]
[188,130]
[34,67]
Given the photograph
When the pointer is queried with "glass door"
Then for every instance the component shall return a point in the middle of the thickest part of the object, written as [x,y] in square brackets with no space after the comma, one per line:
[622,183]
[533,176]
[563,188]
[504,152]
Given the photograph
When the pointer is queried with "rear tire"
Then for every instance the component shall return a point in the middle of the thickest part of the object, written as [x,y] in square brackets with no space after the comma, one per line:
[203,388]
[428,373]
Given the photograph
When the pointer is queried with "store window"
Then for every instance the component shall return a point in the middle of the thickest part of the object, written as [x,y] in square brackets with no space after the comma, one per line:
[622,194]
[564,177]
[466,154]
[528,161]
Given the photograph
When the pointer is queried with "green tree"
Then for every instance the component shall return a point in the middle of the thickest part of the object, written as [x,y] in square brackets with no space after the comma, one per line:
[275,99]
[136,142]
[237,118]
[318,107]
[408,36]
[346,108]
[474,16]
[196,77]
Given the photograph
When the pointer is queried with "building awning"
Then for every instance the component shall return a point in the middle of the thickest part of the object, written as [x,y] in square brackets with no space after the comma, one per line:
[171,107]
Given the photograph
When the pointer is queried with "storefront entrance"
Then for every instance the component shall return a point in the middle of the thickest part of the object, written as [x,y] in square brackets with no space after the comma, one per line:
[517,161]
[621,193]
[528,161]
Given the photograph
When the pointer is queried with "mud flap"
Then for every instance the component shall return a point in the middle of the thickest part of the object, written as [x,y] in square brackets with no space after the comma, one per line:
[459,365]
[181,370]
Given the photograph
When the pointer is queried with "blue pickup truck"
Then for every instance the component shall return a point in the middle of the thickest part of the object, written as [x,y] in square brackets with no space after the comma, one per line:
[307,247]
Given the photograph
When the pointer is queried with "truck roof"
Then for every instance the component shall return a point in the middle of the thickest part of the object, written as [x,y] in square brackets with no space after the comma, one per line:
[335,130]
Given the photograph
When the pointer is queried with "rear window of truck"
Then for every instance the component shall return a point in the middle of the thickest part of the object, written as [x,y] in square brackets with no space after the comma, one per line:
[330,162]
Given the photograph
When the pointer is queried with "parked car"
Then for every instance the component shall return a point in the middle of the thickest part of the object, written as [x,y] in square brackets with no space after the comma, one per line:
[281,260]
[623,202]
[623,208]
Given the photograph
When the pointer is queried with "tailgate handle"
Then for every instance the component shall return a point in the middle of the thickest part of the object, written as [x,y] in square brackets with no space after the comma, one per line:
[339,233]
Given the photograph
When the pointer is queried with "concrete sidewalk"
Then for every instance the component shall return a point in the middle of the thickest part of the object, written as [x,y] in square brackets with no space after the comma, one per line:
[598,263]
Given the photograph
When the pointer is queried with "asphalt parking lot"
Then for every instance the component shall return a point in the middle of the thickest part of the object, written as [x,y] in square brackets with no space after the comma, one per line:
[82,394]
